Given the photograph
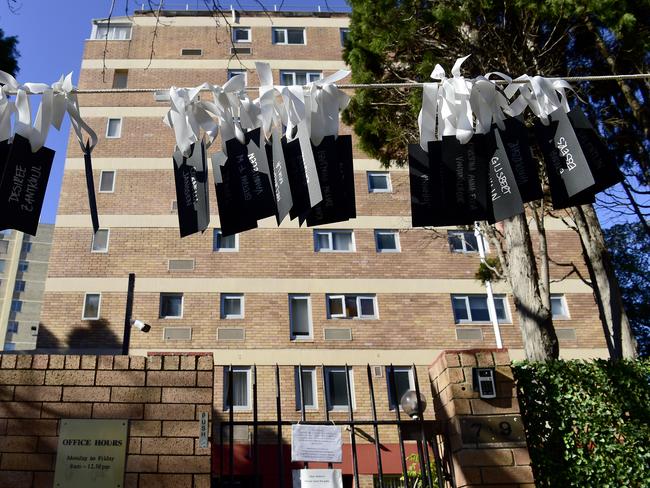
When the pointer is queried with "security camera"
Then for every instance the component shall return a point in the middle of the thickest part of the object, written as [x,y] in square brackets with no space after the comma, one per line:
[141,325]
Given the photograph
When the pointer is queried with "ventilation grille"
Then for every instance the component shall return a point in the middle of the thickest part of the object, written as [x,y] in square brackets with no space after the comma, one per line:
[177,333]
[338,334]
[566,334]
[241,50]
[469,334]
[231,334]
[181,265]
[191,52]
[378,371]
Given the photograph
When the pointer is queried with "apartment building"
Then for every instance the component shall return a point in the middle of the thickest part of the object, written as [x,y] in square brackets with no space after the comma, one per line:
[23,270]
[370,291]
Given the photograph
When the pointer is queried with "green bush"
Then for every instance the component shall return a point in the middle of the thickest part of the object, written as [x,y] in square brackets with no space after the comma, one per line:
[587,423]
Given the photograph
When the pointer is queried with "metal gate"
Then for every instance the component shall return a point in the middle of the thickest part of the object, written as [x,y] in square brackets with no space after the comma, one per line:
[429,467]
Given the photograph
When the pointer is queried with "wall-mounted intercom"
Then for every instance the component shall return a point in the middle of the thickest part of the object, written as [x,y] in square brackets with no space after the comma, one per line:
[483,379]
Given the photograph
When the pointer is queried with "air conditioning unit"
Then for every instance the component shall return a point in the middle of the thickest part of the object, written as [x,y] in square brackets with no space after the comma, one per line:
[241,50]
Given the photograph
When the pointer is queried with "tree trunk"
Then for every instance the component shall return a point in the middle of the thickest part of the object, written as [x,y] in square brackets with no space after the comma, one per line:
[535,320]
[620,339]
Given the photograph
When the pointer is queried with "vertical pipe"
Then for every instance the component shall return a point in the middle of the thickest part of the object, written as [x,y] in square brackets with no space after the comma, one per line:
[221,448]
[393,388]
[353,440]
[327,411]
[492,311]
[126,340]
[436,447]
[256,453]
[231,429]
[423,436]
[380,471]
[278,409]
[302,402]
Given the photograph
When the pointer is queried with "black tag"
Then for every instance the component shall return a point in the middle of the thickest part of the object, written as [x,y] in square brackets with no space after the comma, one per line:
[297,178]
[260,176]
[5,147]
[23,186]
[90,185]
[335,172]
[516,143]
[603,168]
[191,176]
[504,194]
[279,179]
[421,186]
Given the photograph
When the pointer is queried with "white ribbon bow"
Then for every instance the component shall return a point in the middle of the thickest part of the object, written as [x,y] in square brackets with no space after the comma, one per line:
[65,100]
[542,95]
[325,101]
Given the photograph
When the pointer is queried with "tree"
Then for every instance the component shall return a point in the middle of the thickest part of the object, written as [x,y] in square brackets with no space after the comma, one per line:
[8,54]
[393,41]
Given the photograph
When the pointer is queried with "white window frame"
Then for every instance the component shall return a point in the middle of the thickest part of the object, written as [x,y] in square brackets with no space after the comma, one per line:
[465,249]
[249,388]
[293,73]
[99,306]
[92,242]
[389,188]
[330,240]
[160,306]
[238,41]
[292,335]
[314,386]
[358,298]
[231,296]
[234,72]
[286,36]
[96,27]
[565,307]
[101,175]
[398,247]
[398,369]
[506,309]
[226,249]
[119,130]
[328,404]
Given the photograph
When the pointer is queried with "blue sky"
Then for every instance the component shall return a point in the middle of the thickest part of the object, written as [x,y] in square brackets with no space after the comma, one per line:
[51,36]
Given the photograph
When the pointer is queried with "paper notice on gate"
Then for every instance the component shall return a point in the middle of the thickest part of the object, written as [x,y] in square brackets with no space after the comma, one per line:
[317,478]
[316,443]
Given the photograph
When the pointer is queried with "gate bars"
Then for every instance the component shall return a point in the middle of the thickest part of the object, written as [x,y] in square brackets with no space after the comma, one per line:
[425,443]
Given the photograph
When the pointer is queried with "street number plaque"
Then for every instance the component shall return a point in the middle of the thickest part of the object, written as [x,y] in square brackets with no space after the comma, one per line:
[492,431]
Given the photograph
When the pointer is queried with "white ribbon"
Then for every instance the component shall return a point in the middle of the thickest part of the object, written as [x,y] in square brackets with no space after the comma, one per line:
[65,100]
[489,105]
[542,95]
[428,116]
[7,107]
[325,102]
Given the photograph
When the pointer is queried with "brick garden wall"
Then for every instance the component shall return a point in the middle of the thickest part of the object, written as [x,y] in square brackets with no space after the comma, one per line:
[162,396]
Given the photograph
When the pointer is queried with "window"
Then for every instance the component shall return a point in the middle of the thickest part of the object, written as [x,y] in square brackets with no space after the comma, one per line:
[298,77]
[100,241]
[558,307]
[300,316]
[107,181]
[116,32]
[19,286]
[241,388]
[113,128]
[308,388]
[23,266]
[403,383]
[120,78]
[12,327]
[191,52]
[16,305]
[234,72]
[232,306]
[351,306]
[92,303]
[474,308]
[387,240]
[223,243]
[336,388]
[294,35]
[4,246]
[171,305]
[345,34]
[27,247]
[379,182]
[2,265]
[334,240]
[241,34]
[463,241]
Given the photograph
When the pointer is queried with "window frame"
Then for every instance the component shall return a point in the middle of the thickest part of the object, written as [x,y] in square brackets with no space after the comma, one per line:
[286,36]
[19,286]
[108,125]
[389,188]
[96,28]
[26,247]
[18,308]
[12,326]
[231,73]
[565,307]
[238,41]
[101,175]
[230,296]
[398,247]
[292,334]
[249,388]
[4,243]
[223,249]
[343,30]
[92,242]
[330,233]
[120,72]
[23,266]
[314,387]
[160,306]
[358,297]
[504,298]
[465,249]
[398,369]
[328,403]
[294,72]
[99,306]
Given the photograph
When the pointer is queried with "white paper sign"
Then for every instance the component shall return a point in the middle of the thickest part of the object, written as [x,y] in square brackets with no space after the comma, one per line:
[317,478]
[316,443]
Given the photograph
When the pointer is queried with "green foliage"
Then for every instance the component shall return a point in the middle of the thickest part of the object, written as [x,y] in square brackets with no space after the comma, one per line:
[8,54]
[414,473]
[587,423]
[486,271]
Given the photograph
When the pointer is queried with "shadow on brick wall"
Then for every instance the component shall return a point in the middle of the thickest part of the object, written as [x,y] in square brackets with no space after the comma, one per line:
[96,334]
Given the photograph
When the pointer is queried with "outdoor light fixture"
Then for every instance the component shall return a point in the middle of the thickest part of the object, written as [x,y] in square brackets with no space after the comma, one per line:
[140,325]
[409,403]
